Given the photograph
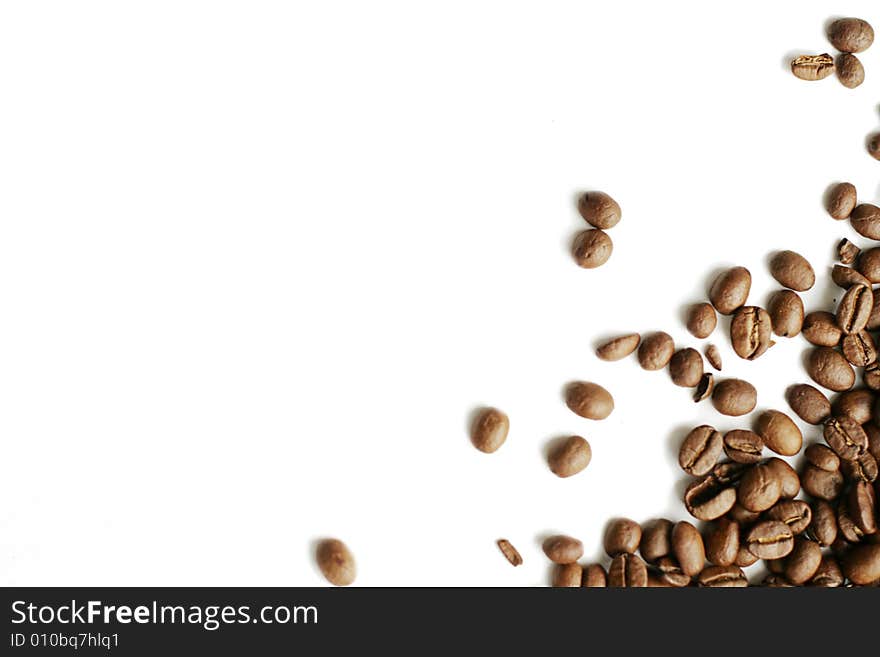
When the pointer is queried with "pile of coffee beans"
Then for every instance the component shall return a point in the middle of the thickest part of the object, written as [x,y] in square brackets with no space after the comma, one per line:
[849,36]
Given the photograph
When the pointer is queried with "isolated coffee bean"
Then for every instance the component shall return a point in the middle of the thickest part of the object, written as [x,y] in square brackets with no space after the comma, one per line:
[822,457]
[510,553]
[622,535]
[594,577]
[868,264]
[803,562]
[779,432]
[700,450]
[589,400]
[850,71]
[656,540]
[489,430]
[862,564]
[851,34]
[627,570]
[855,308]
[713,356]
[812,67]
[704,387]
[599,210]
[857,404]
[571,456]
[742,516]
[736,397]
[770,539]
[845,436]
[743,446]
[874,146]
[591,248]
[722,542]
[828,575]
[823,525]
[830,369]
[563,549]
[686,367]
[865,220]
[846,277]
[789,482]
[759,489]
[656,351]
[808,403]
[701,320]
[723,577]
[840,201]
[619,347]
[847,252]
[336,562]
[861,501]
[750,332]
[708,498]
[794,513]
[786,311]
[821,484]
[792,270]
[730,290]
[567,575]
[688,548]
[859,349]
[820,328]
[671,574]
[864,468]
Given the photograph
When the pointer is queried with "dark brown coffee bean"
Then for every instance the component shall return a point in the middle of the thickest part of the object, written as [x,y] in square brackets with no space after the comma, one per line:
[770,539]
[563,549]
[846,277]
[855,308]
[812,67]
[845,436]
[779,432]
[592,248]
[701,320]
[704,387]
[847,252]
[840,201]
[336,562]
[874,146]
[750,332]
[821,483]
[713,356]
[868,264]
[874,318]
[594,577]
[830,369]
[671,574]
[858,349]
[789,482]
[736,397]
[865,220]
[847,529]
[792,271]
[730,290]
[723,577]
[742,516]
[850,71]
[759,489]
[820,328]
[828,575]
[700,450]
[871,376]
[568,575]
[655,542]
[622,535]
[864,468]
[589,400]
[857,404]
[743,446]
[873,434]
[599,210]
[862,564]
[786,311]
[808,403]
[619,347]
[570,457]
[656,351]
[489,430]
[861,501]
[688,548]
[510,553]
[722,542]
[686,367]
[823,526]
[840,546]
[822,457]
[803,562]
[627,570]
[708,498]
[851,34]
[794,513]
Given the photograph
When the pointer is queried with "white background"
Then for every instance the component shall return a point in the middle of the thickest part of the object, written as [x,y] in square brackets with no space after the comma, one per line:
[259,261]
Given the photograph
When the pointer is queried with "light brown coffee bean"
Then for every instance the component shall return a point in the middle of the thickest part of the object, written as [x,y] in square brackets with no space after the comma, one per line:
[846,277]
[840,201]
[708,498]
[851,34]
[619,348]
[828,575]
[821,484]
[627,570]
[704,387]
[759,489]
[865,220]
[874,318]
[655,542]
[742,516]
[868,264]
[794,513]
[686,367]
[594,577]
[779,432]
[336,562]
[812,67]
[808,403]
[830,369]
[569,457]
[859,349]
[592,248]
[563,549]
[622,535]
[823,457]
[862,564]
[701,320]
[700,450]
[713,356]
[864,468]
[750,332]
[599,210]
[792,270]
[847,252]
[744,558]
[789,482]
[823,526]
[871,376]
[803,562]
[845,436]
[730,290]
[589,400]
[489,430]
[786,311]
[736,397]
[770,539]
[743,446]
[857,404]
[850,71]
[510,553]
[688,548]
[656,351]
[854,309]
[722,542]
[873,146]
[567,575]
[723,577]
[847,529]
[861,501]
[820,328]
[671,573]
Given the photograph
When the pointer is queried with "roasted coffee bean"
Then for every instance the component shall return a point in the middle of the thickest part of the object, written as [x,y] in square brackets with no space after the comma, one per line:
[336,562]
[671,573]
[850,71]
[743,446]
[855,308]
[786,311]
[489,430]
[563,549]
[627,570]
[510,553]
[742,516]
[871,376]
[874,147]
[812,67]
[794,513]
[750,332]
[851,34]
[701,320]
[874,318]
[723,577]
[700,450]
[789,482]
[846,277]
[599,210]
[861,501]
[770,539]
[729,472]
[828,575]
[730,290]
[656,351]
[840,546]
[568,575]
[847,251]
[570,456]
[821,483]
[863,468]
[759,489]
[619,347]
[803,562]
[792,271]
[655,581]
[592,248]
[859,349]
[823,525]
[857,404]
[865,220]
[655,542]
[845,436]
[830,369]
[622,535]
[589,400]
[820,328]
[846,526]
[779,432]
[736,397]
[744,558]
[594,577]
[688,548]
[862,564]
[708,498]
[873,434]
[868,264]
[713,356]
[722,542]
[840,201]
[808,403]
[822,457]
[776,582]
[686,367]
[704,387]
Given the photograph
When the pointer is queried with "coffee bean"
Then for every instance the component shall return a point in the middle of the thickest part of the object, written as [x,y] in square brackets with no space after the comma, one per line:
[619,347]
[742,516]
[622,535]
[686,367]
[792,271]
[845,436]
[736,397]
[850,71]
[779,432]
[750,332]
[759,489]
[857,404]
[510,553]
[722,542]
[873,146]
[868,264]
[840,201]
[713,356]
[803,562]
[776,566]
[851,34]
[808,403]
[821,483]
[723,577]
[700,450]
[847,251]
[828,575]
[570,457]
[591,248]
[822,457]
[687,545]
[708,498]
[790,483]
[567,575]
[489,430]
[847,277]
[830,369]
[776,581]
[859,349]
[854,309]
[701,320]
[656,351]
[820,328]
[862,564]
[594,577]
[671,573]
[744,558]
[336,562]
[655,542]
[786,311]
[794,513]
[589,400]
[743,446]
[864,468]
[770,539]
[704,387]
[823,526]
[655,581]
[730,290]
[599,210]
[812,67]
[627,570]
[846,526]
[871,376]
[563,549]
[873,434]
[865,220]
[861,501]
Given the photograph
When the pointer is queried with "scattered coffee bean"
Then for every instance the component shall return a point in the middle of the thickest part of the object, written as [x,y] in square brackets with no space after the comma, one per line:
[700,450]
[847,251]
[713,356]
[671,573]
[570,457]
[823,525]
[820,328]
[821,484]
[808,403]
[779,432]
[730,290]
[656,351]
[592,248]
[865,220]
[704,387]
[619,348]
[708,498]
[871,376]
[874,146]
[812,67]
[336,562]
[859,349]
[850,71]
[857,404]
[688,548]
[855,308]
[861,501]
[589,400]
[723,577]
[736,397]
[759,489]
[828,575]
[776,582]
[792,271]
[599,210]
[874,318]
[847,529]
[770,539]
[822,457]
[655,542]
[594,577]
[786,312]
[851,34]
[803,562]
[845,436]
[743,446]
[790,483]
[846,277]
[750,332]
[868,264]
[742,516]
[873,434]
[722,542]
[622,536]
[686,367]
[627,570]
[563,549]
[744,558]
[841,200]
[567,575]
[830,369]
[701,320]
[794,513]
[489,430]
[510,553]
[862,564]
[864,468]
